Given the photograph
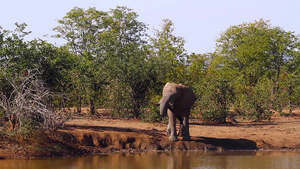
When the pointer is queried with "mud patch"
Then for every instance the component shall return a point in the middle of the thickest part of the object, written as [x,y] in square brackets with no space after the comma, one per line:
[140,141]
[87,136]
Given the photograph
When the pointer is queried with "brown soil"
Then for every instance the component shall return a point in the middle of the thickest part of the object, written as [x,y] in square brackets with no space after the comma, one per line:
[85,135]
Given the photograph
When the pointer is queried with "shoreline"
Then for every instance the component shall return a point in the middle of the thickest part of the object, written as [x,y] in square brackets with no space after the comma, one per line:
[14,156]
[97,136]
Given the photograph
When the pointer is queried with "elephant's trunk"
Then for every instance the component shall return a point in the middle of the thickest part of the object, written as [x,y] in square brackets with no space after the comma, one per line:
[164,104]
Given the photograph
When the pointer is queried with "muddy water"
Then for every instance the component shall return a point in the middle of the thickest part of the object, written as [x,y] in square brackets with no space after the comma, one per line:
[171,160]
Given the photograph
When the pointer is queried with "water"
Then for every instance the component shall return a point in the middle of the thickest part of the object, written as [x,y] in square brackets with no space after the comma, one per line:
[170,160]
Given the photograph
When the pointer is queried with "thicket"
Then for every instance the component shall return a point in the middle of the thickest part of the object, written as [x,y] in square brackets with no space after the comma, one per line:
[109,61]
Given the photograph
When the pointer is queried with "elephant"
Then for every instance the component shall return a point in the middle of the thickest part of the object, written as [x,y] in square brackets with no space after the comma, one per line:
[177,101]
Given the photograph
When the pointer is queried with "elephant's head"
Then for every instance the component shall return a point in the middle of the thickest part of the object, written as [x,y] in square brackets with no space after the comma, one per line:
[171,92]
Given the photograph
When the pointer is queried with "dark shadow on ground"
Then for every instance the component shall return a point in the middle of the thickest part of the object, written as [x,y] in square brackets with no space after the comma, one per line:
[101,128]
[228,144]
[152,132]
[234,125]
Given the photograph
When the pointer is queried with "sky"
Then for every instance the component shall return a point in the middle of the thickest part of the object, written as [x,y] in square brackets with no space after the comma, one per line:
[199,22]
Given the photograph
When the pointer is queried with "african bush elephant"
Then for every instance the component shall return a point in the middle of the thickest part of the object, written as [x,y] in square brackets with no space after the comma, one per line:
[177,100]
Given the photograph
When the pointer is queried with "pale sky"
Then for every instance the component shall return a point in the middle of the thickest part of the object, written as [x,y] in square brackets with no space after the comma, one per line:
[199,22]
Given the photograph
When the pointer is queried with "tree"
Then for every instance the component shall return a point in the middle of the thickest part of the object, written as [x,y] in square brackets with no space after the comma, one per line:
[82,29]
[113,50]
[291,81]
[13,48]
[197,77]
[253,53]
[212,87]
[170,53]
[23,55]
[32,74]
[127,62]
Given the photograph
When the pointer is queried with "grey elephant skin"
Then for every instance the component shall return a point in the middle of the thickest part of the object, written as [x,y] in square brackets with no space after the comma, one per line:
[177,101]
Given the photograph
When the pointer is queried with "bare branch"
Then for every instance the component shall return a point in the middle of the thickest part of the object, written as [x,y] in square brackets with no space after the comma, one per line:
[28,101]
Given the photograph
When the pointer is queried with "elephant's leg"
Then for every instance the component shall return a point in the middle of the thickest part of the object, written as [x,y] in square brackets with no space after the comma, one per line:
[169,129]
[180,133]
[172,124]
[186,132]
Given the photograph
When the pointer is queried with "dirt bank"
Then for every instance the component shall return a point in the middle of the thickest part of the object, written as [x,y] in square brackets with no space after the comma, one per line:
[94,135]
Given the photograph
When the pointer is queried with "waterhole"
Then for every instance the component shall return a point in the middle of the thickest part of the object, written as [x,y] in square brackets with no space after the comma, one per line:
[166,160]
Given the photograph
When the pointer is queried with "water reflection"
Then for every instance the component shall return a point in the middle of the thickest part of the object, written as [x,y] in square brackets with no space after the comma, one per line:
[170,160]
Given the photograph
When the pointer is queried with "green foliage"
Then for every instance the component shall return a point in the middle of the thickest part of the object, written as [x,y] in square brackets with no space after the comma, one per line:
[217,100]
[152,114]
[27,67]
[256,104]
[110,61]
[169,52]
[252,54]
[83,29]
[113,51]
[127,64]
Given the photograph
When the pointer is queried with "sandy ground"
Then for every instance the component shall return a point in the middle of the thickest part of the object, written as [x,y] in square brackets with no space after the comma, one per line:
[86,135]
[279,133]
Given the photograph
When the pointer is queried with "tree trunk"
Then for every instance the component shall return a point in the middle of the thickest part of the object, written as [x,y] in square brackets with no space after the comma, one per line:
[79,105]
[291,110]
[290,102]
[92,106]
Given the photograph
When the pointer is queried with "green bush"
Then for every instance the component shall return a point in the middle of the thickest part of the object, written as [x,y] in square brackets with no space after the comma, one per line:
[255,104]
[217,100]
[151,114]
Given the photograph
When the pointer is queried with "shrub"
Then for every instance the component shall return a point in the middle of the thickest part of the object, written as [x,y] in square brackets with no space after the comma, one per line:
[217,100]
[255,104]
[25,108]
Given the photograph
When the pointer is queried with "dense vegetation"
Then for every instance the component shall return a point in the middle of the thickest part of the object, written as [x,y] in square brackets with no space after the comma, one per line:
[109,61]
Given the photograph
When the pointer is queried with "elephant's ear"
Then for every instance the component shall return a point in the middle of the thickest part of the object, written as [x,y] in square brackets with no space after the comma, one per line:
[179,92]
[172,100]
